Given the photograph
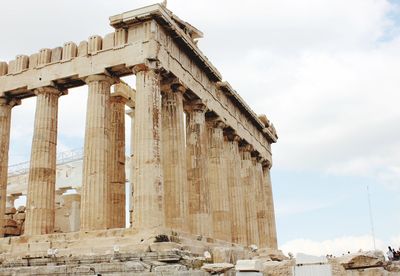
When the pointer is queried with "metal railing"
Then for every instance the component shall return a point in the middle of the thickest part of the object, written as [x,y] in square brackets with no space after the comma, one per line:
[62,158]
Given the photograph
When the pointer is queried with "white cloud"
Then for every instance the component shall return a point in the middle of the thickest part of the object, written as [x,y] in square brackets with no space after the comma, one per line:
[337,246]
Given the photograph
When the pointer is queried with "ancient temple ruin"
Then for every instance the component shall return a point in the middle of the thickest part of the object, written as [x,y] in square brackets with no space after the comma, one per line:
[201,157]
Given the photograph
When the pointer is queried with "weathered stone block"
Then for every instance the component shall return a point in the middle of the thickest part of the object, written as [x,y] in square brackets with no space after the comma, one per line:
[275,268]
[10,223]
[33,60]
[83,49]
[271,254]
[8,216]
[11,231]
[56,54]
[197,250]
[22,62]
[70,51]
[21,209]
[95,44]
[5,248]
[44,57]
[108,41]
[170,268]
[3,68]
[237,254]
[19,216]
[249,265]
[121,36]
[168,257]
[193,262]
[133,266]
[217,267]
[10,211]
[164,246]
[221,254]
[11,67]
[39,247]
[81,270]
[18,248]
[362,260]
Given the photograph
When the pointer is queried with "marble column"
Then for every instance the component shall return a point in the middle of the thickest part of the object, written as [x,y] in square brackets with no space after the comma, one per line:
[217,179]
[268,196]
[148,186]
[262,208]
[235,189]
[40,205]
[200,220]
[174,157]
[96,178]
[5,124]
[131,114]
[248,182]
[117,162]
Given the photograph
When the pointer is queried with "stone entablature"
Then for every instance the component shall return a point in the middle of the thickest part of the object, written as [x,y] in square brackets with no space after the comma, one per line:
[179,171]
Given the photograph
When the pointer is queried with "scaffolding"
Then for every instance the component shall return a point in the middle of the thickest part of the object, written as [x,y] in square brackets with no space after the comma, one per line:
[62,158]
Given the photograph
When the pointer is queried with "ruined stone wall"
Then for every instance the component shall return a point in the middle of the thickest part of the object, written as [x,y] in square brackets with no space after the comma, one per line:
[14,221]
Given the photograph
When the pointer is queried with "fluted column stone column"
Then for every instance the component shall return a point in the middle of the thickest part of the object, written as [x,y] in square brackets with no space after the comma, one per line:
[261,203]
[40,211]
[235,189]
[248,181]
[117,162]
[174,157]
[200,220]
[148,186]
[131,114]
[268,196]
[96,177]
[5,125]
[217,179]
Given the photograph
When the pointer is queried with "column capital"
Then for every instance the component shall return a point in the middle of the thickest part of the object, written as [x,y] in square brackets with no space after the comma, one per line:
[9,101]
[196,105]
[122,89]
[50,90]
[147,66]
[173,85]
[266,163]
[256,157]
[217,123]
[100,77]
[118,99]
[231,135]
[246,148]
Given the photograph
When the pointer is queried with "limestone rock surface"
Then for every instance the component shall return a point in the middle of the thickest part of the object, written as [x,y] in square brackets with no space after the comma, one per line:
[217,267]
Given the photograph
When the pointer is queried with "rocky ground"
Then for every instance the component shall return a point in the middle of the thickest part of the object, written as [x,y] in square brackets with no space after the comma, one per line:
[161,252]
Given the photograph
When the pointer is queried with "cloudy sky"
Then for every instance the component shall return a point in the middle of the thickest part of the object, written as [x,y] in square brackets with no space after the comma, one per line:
[324,71]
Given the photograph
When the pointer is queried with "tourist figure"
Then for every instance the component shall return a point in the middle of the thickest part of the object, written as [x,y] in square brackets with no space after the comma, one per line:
[390,254]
